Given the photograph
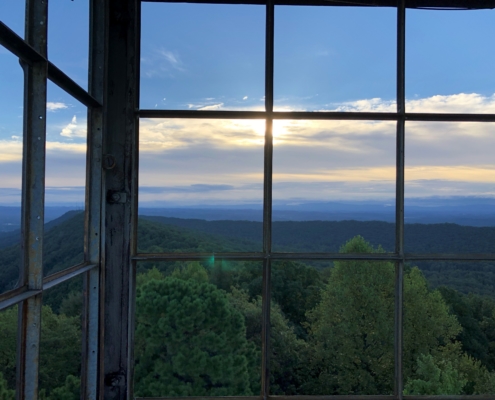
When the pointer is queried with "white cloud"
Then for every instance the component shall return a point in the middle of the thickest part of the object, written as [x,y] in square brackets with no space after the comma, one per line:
[314,160]
[456,103]
[10,151]
[341,159]
[62,147]
[205,106]
[211,107]
[161,62]
[72,130]
[172,58]
[245,98]
[55,106]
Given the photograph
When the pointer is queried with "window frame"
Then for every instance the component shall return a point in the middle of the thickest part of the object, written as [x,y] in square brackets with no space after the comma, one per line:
[112,168]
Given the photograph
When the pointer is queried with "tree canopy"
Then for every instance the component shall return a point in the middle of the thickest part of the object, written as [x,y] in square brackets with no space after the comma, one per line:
[190,341]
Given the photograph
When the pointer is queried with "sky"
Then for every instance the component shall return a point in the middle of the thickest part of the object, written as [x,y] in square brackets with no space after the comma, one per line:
[211,57]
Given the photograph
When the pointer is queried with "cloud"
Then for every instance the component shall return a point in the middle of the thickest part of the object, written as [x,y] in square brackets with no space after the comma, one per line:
[10,151]
[157,136]
[196,188]
[54,106]
[245,98]
[161,62]
[212,107]
[172,58]
[455,103]
[71,130]
[215,161]
[337,159]
[75,148]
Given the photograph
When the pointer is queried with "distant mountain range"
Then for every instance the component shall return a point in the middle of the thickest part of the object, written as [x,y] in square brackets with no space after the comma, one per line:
[64,244]
[468,211]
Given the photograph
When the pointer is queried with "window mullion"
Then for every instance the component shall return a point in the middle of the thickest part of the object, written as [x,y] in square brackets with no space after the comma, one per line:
[399,205]
[267,198]
[33,193]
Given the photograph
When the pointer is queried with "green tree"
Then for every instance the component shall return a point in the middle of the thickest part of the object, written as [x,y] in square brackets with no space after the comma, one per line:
[190,341]
[5,392]
[8,345]
[71,390]
[60,348]
[295,287]
[476,316]
[287,351]
[352,329]
[191,270]
[435,377]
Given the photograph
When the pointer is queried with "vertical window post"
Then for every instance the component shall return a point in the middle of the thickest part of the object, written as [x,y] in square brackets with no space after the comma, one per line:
[399,199]
[33,188]
[267,200]
[94,204]
[120,146]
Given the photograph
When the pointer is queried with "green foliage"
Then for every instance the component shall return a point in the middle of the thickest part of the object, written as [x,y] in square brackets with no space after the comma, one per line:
[199,324]
[352,329]
[72,304]
[8,345]
[476,314]
[189,341]
[151,274]
[296,287]
[156,237]
[71,390]
[5,392]
[60,347]
[435,377]
[428,325]
[287,351]
[192,270]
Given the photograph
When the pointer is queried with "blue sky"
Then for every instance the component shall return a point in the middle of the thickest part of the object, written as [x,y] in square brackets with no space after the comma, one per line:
[326,58]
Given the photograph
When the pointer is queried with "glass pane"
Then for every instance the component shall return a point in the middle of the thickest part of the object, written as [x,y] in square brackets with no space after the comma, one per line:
[8,350]
[448,328]
[11,133]
[68,38]
[60,347]
[12,12]
[65,181]
[335,58]
[449,180]
[198,329]
[332,326]
[202,57]
[333,180]
[202,169]
[448,66]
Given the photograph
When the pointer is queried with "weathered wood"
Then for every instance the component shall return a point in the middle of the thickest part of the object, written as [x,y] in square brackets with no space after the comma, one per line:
[119,141]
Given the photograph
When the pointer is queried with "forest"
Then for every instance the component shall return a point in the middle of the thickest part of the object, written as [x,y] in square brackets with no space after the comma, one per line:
[198,324]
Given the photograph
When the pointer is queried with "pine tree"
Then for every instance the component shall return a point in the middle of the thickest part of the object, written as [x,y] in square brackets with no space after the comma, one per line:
[190,341]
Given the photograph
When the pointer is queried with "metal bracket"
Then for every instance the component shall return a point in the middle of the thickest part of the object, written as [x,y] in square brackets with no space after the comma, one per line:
[114,197]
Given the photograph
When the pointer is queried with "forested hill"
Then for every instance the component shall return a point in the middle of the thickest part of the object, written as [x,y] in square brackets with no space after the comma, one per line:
[11,238]
[329,236]
[314,305]
[64,244]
